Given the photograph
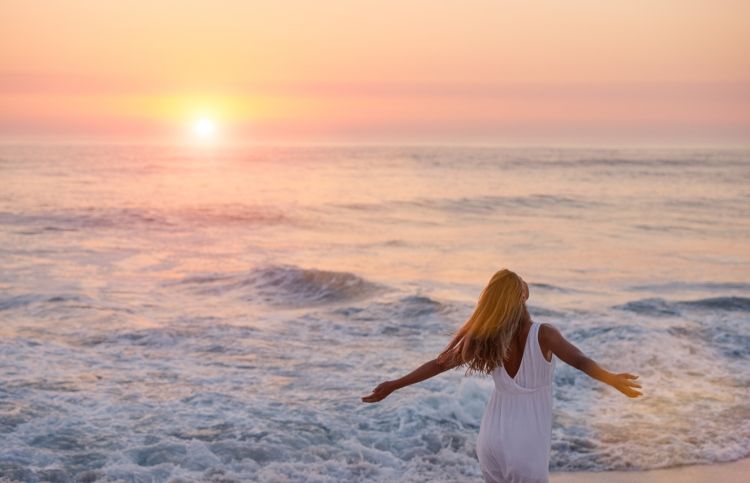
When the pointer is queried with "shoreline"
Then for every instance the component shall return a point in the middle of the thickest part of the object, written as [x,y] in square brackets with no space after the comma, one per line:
[730,471]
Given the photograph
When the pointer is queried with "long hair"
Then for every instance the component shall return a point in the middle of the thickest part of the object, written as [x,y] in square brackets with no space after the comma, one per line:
[484,339]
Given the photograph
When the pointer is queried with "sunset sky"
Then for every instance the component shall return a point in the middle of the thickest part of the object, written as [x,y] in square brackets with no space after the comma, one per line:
[580,71]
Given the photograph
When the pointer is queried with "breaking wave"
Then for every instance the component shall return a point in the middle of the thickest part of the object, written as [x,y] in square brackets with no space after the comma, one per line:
[661,307]
[286,285]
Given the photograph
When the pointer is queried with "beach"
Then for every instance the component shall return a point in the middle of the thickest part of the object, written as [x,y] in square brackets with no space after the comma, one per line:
[217,314]
[730,472]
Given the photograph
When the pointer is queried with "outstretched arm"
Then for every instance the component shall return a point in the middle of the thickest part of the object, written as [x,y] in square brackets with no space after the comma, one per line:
[572,355]
[425,371]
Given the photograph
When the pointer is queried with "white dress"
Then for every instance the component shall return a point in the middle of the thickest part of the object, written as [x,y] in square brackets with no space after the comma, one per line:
[516,430]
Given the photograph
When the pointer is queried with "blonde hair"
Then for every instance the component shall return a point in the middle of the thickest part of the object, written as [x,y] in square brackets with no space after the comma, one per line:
[484,339]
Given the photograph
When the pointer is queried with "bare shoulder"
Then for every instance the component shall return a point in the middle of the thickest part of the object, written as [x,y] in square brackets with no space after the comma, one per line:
[548,333]
[547,330]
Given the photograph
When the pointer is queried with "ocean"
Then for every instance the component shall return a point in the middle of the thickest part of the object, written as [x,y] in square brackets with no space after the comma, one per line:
[216,314]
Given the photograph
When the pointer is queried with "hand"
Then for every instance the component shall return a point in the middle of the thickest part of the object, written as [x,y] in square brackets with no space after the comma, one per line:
[625,383]
[380,392]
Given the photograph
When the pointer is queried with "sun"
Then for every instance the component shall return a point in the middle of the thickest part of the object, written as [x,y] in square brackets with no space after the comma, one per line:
[204,128]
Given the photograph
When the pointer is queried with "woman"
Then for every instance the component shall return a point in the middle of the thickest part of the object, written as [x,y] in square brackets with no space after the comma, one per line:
[500,339]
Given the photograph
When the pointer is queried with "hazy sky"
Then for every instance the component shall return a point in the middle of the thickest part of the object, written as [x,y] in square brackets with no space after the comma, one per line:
[658,71]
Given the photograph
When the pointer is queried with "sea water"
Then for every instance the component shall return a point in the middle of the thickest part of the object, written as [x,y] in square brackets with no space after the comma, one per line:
[216,314]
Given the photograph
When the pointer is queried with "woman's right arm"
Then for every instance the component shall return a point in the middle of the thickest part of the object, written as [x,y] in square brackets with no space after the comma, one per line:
[425,371]
[572,355]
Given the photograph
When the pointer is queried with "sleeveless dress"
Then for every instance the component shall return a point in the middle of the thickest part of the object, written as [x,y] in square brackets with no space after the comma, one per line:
[515,434]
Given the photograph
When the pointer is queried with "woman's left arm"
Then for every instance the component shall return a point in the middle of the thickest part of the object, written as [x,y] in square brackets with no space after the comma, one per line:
[425,371]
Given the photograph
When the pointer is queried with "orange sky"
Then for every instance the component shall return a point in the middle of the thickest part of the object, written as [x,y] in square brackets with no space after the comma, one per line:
[663,71]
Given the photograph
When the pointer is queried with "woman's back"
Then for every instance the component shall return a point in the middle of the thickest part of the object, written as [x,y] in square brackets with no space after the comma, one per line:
[515,433]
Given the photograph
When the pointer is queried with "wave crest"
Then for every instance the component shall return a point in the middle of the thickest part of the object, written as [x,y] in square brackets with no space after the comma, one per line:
[287,285]
[661,307]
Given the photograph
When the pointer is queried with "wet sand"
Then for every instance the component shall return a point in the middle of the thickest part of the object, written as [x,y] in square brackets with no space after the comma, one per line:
[729,472]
